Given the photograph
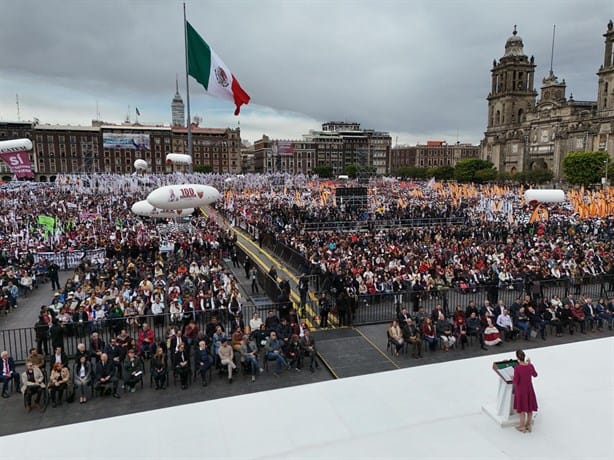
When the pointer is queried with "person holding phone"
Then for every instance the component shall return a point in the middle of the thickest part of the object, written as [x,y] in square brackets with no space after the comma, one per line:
[525,401]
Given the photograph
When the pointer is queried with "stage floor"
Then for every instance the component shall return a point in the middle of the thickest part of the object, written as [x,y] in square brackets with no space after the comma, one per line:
[432,411]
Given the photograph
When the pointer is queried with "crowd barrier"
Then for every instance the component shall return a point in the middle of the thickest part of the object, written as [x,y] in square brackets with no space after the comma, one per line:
[369,309]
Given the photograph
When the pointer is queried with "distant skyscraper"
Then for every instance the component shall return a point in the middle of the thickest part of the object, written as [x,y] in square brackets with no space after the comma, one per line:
[177,107]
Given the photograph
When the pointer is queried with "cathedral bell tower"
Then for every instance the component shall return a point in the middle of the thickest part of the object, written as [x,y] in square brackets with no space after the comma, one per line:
[512,93]
[605,92]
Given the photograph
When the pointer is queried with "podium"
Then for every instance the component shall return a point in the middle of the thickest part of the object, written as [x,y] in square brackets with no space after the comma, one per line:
[502,411]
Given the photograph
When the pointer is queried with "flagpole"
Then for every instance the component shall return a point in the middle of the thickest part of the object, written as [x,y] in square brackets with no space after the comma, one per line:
[187,83]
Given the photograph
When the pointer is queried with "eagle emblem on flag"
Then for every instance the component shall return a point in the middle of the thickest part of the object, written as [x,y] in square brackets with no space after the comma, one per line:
[221,77]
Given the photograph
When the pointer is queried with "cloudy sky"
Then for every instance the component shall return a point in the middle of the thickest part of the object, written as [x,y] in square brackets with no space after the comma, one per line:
[418,69]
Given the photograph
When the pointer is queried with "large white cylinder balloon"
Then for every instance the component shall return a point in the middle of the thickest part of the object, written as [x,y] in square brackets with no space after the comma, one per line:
[15,145]
[143,208]
[183,196]
[544,195]
[178,159]
[140,165]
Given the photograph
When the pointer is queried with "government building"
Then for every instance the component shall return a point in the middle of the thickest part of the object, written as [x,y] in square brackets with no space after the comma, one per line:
[113,148]
[530,129]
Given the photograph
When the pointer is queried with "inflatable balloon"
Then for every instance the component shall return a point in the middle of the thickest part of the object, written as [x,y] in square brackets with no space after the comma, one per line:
[183,196]
[178,159]
[15,145]
[140,165]
[544,195]
[143,208]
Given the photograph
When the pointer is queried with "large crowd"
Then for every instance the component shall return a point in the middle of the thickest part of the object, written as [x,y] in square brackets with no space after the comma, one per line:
[153,275]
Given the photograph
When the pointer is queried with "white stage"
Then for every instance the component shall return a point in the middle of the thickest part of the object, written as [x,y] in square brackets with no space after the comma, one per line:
[432,411]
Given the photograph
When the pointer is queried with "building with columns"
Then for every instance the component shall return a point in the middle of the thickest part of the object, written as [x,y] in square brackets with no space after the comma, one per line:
[530,129]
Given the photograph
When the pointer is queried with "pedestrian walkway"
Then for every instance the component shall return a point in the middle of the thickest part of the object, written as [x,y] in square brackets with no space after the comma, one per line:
[29,307]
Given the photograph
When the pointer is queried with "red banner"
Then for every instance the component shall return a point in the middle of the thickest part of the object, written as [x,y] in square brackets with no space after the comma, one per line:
[19,163]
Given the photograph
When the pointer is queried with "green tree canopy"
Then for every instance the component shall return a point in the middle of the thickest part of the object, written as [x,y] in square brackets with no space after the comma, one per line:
[412,172]
[203,169]
[441,172]
[325,172]
[584,168]
[466,170]
[351,170]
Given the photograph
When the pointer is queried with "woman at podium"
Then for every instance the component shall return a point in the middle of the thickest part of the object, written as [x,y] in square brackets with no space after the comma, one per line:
[525,402]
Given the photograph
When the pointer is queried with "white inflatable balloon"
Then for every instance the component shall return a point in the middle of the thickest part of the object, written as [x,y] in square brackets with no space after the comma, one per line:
[178,159]
[183,196]
[143,208]
[544,196]
[140,165]
[15,145]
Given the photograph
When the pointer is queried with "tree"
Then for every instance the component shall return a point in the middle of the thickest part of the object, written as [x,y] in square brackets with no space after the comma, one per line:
[441,172]
[485,175]
[203,169]
[534,176]
[324,172]
[465,170]
[351,170]
[584,168]
[412,172]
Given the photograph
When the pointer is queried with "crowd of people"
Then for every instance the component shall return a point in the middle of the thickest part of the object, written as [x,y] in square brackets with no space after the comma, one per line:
[490,325]
[154,274]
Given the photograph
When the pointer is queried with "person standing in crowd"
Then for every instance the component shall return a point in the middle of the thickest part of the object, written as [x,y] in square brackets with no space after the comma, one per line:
[525,401]
[53,272]
[324,310]
[82,377]
[41,329]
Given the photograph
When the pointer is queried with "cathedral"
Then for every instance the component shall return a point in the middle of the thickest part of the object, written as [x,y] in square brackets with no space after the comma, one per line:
[530,130]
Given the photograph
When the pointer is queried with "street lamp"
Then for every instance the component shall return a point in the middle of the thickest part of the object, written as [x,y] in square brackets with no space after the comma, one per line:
[605,178]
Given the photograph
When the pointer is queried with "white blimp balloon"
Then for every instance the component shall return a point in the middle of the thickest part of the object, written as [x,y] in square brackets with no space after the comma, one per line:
[183,196]
[15,145]
[178,159]
[143,208]
[544,196]
[140,165]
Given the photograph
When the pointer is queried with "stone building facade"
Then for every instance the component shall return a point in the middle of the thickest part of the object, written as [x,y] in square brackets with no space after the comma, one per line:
[527,129]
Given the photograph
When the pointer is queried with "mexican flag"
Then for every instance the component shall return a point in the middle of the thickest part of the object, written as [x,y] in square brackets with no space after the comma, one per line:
[208,69]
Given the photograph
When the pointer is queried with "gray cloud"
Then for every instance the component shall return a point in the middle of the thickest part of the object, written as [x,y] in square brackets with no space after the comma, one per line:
[420,69]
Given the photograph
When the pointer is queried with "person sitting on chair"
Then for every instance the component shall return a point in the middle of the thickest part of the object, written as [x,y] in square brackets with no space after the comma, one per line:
[203,361]
[506,325]
[460,329]
[58,383]
[36,359]
[133,370]
[411,334]
[58,356]
[146,341]
[106,376]
[444,327]
[32,384]
[182,365]
[293,352]
[395,336]
[159,369]
[249,356]
[491,334]
[273,352]
[226,354]
[428,334]
[8,373]
[82,376]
